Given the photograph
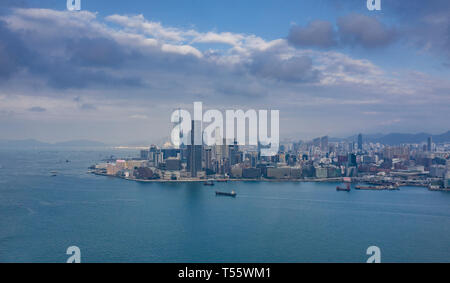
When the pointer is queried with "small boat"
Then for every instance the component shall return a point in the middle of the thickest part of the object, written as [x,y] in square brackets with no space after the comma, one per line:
[346,189]
[208,183]
[232,194]
[54,173]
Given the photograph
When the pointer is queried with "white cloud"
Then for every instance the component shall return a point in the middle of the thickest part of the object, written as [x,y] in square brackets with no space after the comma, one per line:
[155,29]
[181,49]
[168,66]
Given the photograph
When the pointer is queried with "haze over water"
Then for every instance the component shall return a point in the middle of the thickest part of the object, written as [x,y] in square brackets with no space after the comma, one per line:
[114,220]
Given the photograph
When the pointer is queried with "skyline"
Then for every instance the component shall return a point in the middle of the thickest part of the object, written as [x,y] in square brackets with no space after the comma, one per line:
[114,73]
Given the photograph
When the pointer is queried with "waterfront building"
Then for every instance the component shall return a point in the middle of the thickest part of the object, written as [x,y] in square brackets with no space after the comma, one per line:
[296,172]
[333,172]
[121,164]
[144,173]
[251,173]
[131,164]
[308,171]
[236,172]
[438,171]
[278,172]
[321,173]
[112,169]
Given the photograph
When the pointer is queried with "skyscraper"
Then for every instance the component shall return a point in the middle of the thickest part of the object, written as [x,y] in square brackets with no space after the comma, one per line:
[195,148]
[235,155]
[429,144]
[360,142]
[218,155]
[225,152]
[324,143]
[208,158]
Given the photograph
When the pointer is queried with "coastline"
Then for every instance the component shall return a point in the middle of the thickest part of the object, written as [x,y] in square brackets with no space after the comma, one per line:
[328,180]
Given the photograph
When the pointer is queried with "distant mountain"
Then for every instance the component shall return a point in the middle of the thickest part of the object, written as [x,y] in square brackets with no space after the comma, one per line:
[400,138]
[445,137]
[31,143]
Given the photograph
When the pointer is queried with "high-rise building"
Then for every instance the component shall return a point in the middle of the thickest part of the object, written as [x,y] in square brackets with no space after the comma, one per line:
[208,158]
[144,154]
[352,159]
[234,154]
[195,148]
[360,142]
[324,143]
[217,154]
[429,143]
[225,152]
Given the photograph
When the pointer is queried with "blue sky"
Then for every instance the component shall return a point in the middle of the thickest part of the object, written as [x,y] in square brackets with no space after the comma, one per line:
[116,67]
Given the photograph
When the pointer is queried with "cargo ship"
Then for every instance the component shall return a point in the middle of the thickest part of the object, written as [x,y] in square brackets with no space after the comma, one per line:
[232,194]
[377,188]
[346,189]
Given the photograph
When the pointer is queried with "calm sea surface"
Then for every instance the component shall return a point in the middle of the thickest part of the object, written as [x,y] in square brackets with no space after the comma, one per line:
[113,220]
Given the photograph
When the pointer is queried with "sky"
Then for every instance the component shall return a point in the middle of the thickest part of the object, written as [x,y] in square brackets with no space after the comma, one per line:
[116,70]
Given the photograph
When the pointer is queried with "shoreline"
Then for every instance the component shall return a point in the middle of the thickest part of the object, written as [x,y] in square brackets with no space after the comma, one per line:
[328,180]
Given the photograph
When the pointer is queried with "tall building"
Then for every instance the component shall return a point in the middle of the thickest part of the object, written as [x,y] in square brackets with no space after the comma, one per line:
[352,159]
[218,155]
[208,158]
[225,152]
[234,153]
[144,154]
[324,143]
[195,148]
[360,142]
[429,144]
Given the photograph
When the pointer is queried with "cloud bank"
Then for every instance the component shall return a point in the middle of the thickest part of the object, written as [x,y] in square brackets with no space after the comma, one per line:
[99,77]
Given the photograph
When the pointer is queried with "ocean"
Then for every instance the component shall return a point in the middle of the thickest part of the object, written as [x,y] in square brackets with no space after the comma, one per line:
[115,220]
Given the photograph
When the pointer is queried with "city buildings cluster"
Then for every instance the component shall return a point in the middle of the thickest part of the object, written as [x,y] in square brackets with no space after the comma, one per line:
[425,164]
